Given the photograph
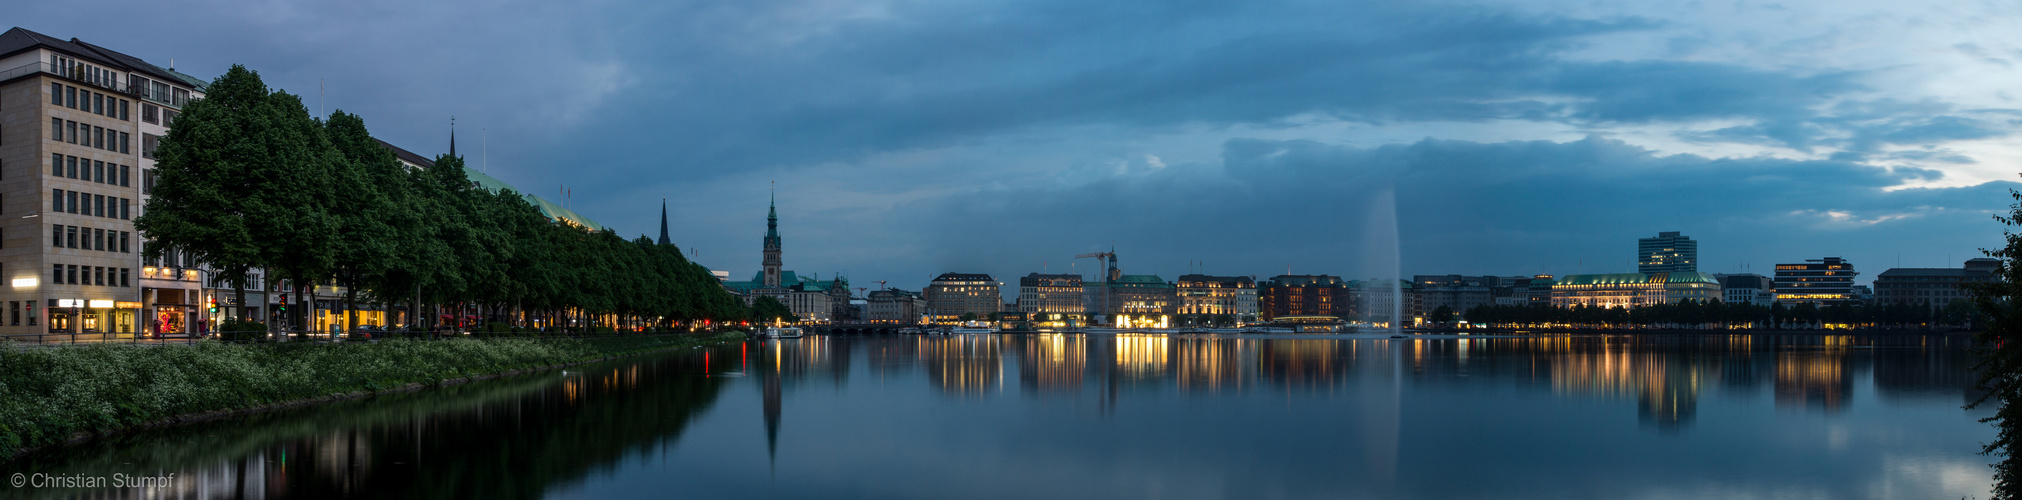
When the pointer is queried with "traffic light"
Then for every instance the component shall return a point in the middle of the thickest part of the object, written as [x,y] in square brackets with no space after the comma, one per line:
[284,303]
[214,305]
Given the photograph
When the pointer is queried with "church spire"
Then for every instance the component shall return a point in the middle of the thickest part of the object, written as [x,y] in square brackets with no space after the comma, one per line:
[452,136]
[663,220]
[772,262]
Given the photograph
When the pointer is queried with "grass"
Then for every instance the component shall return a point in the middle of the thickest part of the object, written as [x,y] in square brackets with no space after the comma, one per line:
[49,395]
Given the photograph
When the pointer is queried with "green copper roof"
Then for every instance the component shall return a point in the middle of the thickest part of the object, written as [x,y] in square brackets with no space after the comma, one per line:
[1635,278]
[548,208]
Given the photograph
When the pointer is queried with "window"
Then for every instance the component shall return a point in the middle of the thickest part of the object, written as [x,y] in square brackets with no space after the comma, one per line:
[125,143]
[70,167]
[70,198]
[56,203]
[56,94]
[147,113]
[98,137]
[125,171]
[70,97]
[56,274]
[124,237]
[122,111]
[14,312]
[56,165]
[98,103]
[147,181]
[125,205]
[148,142]
[98,205]
[124,272]
[168,117]
[98,239]
[71,271]
[70,237]
[70,127]
[98,171]
[56,129]
[98,276]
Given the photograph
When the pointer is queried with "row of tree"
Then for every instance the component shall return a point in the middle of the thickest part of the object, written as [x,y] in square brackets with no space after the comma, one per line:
[248,180]
[1714,313]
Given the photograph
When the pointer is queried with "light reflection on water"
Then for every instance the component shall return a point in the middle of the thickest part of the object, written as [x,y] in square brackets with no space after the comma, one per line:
[1132,416]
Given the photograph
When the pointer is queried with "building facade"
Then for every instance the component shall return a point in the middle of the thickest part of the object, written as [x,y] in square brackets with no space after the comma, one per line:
[1304,295]
[1746,288]
[1821,282]
[1932,288]
[1234,296]
[1669,252]
[1632,290]
[1051,294]
[954,295]
[1456,292]
[71,116]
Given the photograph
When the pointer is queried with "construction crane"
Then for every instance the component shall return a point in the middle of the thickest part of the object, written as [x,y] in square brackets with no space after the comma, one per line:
[1113,274]
[881,285]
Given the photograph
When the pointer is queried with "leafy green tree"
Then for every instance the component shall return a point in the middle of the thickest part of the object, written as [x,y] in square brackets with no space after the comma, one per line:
[365,187]
[1999,348]
[768,309]
[1443,314]
[215,173]
[968,317]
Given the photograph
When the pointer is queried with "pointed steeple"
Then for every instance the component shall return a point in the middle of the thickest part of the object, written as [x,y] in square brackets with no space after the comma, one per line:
[452,136]
[663,220]
[772,247]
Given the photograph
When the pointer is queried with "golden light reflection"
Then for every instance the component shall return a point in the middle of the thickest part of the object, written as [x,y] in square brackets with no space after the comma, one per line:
[1140,355]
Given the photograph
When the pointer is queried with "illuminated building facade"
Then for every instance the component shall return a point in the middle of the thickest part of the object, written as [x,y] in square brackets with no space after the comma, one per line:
[1669,252]
[1051,294]
[1932,287]
[1304,295]
[1821,282]
[1745,289]
[1141,300]
[1234,296]
[809,297]
[1632,290]
[953,295]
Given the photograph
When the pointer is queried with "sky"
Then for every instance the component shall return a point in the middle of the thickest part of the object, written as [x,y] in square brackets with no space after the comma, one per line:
[1360,139]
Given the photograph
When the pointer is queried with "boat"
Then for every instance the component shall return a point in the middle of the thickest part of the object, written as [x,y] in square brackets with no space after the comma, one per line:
[782,332]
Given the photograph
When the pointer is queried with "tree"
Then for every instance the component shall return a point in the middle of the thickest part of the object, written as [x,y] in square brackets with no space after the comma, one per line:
[967,317]
[364,186]
[769,310]
[1999,347]
[1444,314]
[215,176]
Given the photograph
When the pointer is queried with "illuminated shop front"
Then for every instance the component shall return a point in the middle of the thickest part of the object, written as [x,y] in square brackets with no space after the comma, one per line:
[92,316]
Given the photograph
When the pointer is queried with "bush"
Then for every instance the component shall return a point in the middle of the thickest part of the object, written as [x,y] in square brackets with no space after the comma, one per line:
[242,331]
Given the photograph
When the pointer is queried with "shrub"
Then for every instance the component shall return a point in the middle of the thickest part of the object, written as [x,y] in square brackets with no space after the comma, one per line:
[242,331]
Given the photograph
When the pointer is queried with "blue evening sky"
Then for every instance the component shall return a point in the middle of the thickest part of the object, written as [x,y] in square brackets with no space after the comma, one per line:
[910,138]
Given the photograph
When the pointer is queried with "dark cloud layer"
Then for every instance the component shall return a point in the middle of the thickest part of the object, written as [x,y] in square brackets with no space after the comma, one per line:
[625,102]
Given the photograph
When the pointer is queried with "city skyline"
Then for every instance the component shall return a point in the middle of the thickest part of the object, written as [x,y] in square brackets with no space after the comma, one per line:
[918,139]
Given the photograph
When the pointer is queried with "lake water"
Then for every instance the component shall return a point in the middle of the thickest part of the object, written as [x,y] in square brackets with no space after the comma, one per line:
[1124,416]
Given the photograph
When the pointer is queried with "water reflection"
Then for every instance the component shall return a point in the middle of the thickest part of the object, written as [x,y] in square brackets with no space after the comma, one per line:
[1384,417]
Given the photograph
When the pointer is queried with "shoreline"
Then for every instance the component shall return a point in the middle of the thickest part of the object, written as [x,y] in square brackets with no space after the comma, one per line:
[81,437]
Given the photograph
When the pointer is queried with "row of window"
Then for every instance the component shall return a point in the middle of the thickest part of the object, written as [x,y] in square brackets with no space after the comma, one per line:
[97,76]
[72,274]
[87,101]
[85,134]
[95,205]
[14,312]
[87,169]
[85,238]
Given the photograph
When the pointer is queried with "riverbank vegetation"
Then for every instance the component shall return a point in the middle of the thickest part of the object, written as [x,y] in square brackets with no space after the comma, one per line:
[50,394]
[248,179]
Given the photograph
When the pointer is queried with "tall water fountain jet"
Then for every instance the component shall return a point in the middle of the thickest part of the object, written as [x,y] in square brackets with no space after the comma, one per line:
[1384,255]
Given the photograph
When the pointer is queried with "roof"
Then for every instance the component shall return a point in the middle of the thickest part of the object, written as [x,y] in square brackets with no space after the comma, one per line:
[1941,272]
[20,39]
[1140,278]
[1223,279]
[787,279]
[1636,278]
[551,210]
[962,276]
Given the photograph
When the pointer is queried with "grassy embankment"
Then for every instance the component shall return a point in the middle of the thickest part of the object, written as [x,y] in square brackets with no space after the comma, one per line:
[53,395]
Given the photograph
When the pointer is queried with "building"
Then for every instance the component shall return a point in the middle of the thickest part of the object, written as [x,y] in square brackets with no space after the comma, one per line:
[1669,252]
[1632,290]
[809,297]
[1456,292]
[1753,289]
[1372,300]
[1820,282]
[73,129]
[1051,294]
[954,295]
[1304,295]
[1932,288]
[893,305]
[1130,301]
[1233,296]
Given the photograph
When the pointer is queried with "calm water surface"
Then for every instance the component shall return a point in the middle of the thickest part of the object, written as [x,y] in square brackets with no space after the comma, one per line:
[1125,416]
